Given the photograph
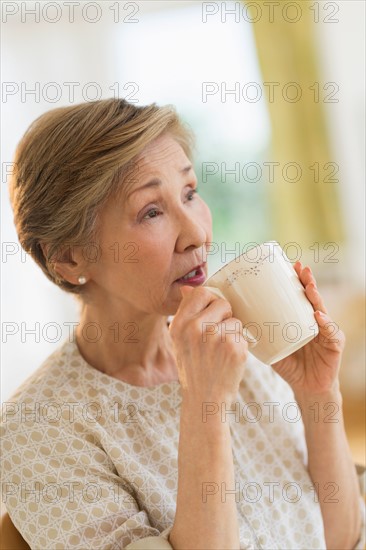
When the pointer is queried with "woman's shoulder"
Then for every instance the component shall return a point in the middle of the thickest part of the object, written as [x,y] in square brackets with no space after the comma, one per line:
[60,383]
[262,384]
[52,374]
[55,401]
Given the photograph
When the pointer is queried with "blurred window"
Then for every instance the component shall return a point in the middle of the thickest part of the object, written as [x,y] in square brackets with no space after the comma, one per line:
[210,72]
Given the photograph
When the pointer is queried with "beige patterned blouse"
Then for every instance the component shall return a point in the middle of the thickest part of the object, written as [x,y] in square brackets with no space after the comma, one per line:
[90,461]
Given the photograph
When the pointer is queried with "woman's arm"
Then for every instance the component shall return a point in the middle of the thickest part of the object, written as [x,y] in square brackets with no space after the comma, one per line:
[205,465]
[331,469]
[210,371]
[313,374]
[61,487]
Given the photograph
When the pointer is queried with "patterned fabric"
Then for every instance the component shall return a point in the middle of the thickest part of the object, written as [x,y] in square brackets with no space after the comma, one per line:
[90,461]
[361,544]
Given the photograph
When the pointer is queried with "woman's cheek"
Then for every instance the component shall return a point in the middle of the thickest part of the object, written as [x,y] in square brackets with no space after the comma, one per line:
[207,216]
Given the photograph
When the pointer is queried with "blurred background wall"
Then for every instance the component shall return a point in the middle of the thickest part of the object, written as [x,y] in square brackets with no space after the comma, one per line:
[275,94]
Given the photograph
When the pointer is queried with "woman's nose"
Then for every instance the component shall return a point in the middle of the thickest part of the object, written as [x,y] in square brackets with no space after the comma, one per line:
[191,232]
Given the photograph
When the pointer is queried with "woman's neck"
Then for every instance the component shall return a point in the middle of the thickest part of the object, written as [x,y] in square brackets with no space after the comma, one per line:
[137,352]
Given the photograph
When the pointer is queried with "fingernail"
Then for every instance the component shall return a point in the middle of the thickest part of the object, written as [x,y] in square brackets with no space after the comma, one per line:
[321,314]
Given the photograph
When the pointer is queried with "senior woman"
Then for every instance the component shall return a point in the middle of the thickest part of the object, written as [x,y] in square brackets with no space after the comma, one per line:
[114,441]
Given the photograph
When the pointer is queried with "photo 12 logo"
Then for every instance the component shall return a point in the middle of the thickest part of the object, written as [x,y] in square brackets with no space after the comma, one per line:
[291,251]
[252,92]
[70,12]
[69,92]
[270,12]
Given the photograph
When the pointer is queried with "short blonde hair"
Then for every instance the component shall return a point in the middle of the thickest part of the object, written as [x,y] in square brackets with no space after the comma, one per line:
[70,161]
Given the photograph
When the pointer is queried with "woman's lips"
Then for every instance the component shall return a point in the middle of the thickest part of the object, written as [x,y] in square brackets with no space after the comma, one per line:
[196,280]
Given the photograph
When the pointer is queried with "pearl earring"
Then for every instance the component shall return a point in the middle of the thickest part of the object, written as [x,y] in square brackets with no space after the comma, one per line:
[82,280]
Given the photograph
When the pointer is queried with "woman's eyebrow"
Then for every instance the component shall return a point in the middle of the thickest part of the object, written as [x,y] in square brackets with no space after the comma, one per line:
[156,182]
[186,169]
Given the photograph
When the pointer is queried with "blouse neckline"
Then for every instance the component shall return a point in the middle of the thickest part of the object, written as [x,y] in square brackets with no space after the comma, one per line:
[74,352]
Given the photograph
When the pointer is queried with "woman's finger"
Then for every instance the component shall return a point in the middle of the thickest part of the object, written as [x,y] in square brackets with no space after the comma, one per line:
[329,329]
[308,280]
[297,267]
[314,296]
[307,276]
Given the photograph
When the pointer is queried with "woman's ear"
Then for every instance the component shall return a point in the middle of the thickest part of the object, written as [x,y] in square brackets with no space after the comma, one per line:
[67,262]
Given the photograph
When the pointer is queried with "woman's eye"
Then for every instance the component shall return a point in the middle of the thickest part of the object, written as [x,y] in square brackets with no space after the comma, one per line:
[192,192]
[147,216]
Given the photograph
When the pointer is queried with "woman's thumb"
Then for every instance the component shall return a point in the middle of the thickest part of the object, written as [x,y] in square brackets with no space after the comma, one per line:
[185,289]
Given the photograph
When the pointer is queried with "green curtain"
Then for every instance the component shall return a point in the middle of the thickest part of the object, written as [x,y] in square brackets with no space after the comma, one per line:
[305,211]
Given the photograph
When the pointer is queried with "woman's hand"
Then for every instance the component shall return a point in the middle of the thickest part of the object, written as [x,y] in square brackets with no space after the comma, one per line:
[209,346]
[313,369]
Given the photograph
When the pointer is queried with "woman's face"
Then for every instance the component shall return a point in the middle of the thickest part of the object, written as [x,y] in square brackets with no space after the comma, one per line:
[152,236]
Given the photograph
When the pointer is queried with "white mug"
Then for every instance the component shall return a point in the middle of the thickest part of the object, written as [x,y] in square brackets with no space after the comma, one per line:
[267,296]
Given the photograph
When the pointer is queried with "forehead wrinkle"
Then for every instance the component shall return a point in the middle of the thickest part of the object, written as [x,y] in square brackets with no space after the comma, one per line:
[141,164]
[159,154]
[155,182]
